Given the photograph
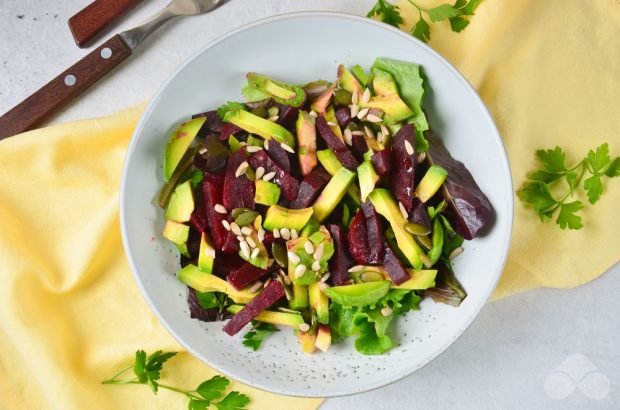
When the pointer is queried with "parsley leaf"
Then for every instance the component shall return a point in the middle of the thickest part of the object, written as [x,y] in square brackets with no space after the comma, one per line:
[421,30]
[443,12]
[148,370]
[233,401]
[537,190]
[387,12]
[471,7]
[458,24]
[230,106]
[255,337]
[568,217]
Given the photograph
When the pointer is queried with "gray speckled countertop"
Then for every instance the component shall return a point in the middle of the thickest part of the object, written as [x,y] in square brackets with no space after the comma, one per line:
[544,349]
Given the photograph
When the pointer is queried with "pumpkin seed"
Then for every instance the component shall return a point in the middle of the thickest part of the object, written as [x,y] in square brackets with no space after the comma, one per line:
[417,229]
[370,276]
[246,218]
[278,250]
[238,211]
[424,241]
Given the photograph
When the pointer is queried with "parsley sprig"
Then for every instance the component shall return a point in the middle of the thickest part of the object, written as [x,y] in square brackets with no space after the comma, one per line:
[147,370]
[537,190]
[255,337]
[457,14]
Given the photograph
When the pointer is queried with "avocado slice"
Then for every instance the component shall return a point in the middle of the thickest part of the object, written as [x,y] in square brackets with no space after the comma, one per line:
[307,341]
[311,227]
[275,318]
[367,178]
[330,116]
[278,217]
[332,193]
[392,105]
[234,144]
[267,193]
[300,247]
[300,297]
[360,294]
[181,203]
[206,256]
[176,232]
[323,338]
[281,92]
[206,282]
[322,101]
[420,279]
[260,126]
[178,143]
[348,81]
[332,165]
[383,83]
[431,182]
[306,139]
[385,204]
[319,302]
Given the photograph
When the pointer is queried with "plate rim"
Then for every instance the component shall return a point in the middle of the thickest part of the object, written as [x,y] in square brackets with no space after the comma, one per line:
[360,19]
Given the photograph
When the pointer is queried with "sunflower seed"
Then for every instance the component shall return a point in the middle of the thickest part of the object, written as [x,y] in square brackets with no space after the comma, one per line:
[235,228]
[304,327]
[325,277]
[246,230]
[266,145]
[373,118]
[385,130]
[300,270]
[366,96]
[255,287]
[403,211]
[294,234]
[267,282]
[254,148]
[276,233]
[421,157]
[316,266]
[362,113]
[369,132]
[426,261]
[319,252]
[417,229]
[348,136]
[293,257]
[287,310]
[313,113]
[241,169]
[260,171]
[356,268]
[274,118]
[309,247]
[285,233]
[261,235]
[273,111]
[240,238]
[332,123]
[287,280]
[219,208]
[409,147]
[269,176]
[456,252]
[202,151]
[380,137]
[287,148]
[245,249]
[323,286]
[355,109]
[360,133]
[226,224]
[386,311]
[355,98]
[251,242]
[255,252]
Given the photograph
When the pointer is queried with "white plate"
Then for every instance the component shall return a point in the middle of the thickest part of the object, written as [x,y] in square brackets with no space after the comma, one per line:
[302,47]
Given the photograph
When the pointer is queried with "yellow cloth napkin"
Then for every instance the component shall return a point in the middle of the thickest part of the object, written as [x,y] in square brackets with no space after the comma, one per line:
[70,313]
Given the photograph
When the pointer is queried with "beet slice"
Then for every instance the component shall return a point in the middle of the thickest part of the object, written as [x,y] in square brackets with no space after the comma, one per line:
[470,207]
[343,116]
[198,312]
[309,189]
[270,295]
[359,147]
[374,230]
[231,244]
[228,129]
[193,243]
[279,155]
[403,166]
[345,156]
[358,239]
[287,116]
[286,181]
[212,123]
[238,191]
[340,262]
[212,189]
[245,275]
[382,161]
[394,267]
[226,263]
[198,219]
[419,214]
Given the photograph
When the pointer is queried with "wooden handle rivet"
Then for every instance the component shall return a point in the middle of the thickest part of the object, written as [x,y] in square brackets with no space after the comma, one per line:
[106,53]
[70,80]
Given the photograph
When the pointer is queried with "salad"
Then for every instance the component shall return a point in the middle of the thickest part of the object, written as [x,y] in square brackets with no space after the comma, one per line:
[329,208]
